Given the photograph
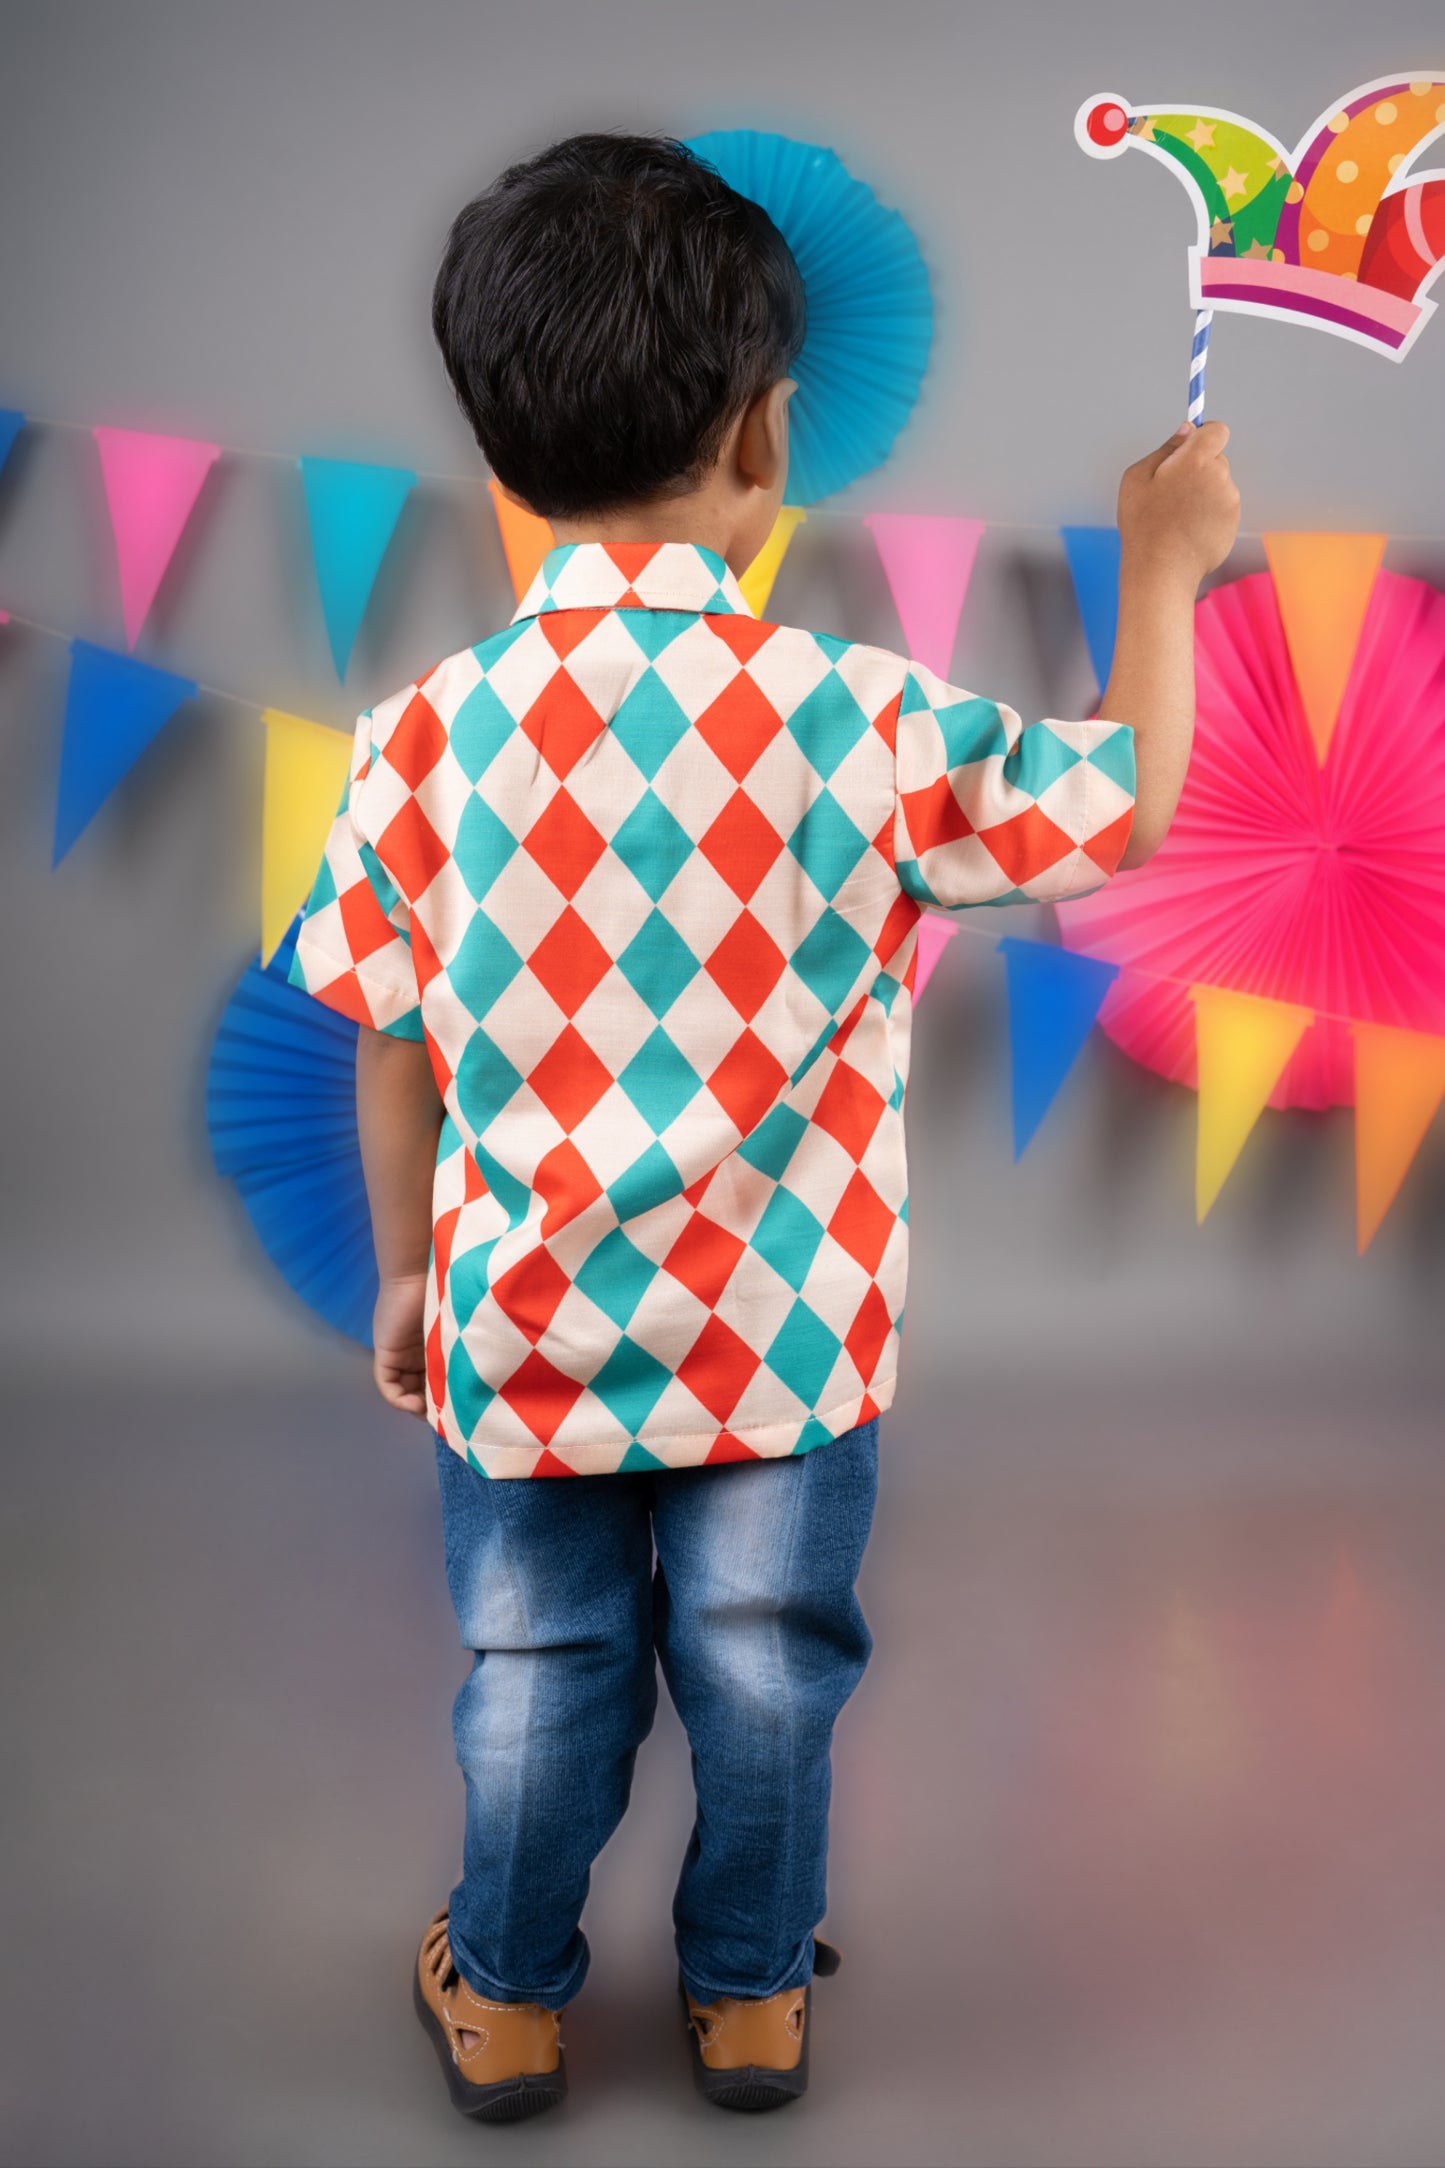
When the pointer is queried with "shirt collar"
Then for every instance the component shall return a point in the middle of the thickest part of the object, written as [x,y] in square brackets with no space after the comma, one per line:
[634,576]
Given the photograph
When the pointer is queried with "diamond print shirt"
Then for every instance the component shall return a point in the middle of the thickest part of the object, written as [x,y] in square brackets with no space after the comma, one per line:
[645,875]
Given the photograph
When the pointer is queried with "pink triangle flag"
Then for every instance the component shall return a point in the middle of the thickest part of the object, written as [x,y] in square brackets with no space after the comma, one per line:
[935,931]
[928,560]
[151,483]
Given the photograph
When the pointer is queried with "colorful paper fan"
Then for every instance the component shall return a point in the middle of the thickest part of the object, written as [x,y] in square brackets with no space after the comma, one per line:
[1320,885]
[281,1111]
[870,312]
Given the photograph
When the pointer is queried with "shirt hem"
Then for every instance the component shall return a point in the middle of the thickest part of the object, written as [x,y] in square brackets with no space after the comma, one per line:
[770,1441]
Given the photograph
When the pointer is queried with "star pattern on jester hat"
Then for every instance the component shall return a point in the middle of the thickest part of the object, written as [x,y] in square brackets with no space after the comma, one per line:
[1221,233]
[1235,184]
[1201,135]
[1257,248]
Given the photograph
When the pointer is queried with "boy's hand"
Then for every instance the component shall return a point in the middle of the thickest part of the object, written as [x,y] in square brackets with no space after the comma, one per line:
[1179,508]
[398,1348]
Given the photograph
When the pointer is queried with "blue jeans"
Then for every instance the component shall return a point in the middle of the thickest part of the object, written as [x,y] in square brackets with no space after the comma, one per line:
[752,1612]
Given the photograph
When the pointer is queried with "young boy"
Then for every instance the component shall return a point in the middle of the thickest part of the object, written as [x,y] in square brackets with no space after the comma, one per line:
[625,898]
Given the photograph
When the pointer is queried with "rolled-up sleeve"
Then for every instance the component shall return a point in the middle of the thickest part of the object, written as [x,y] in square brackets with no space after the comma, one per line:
[353,950]
[989,811]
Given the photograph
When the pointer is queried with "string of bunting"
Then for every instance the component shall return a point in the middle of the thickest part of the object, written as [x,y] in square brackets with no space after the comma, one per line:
[116,703]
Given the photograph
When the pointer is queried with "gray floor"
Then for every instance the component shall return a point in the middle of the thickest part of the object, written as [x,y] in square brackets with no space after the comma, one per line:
[1138,1847]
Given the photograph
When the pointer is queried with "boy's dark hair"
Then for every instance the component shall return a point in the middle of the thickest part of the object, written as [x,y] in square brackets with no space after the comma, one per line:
[605,311]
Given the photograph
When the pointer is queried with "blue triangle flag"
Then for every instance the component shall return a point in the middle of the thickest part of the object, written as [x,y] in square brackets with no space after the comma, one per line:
[114,705]
[353,508]
[1093,554]
[12,421]
[1053,997]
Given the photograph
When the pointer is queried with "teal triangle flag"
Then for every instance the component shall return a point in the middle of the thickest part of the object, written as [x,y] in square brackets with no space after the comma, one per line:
[1053,998]
[11,424]
[114,705]
[1093,554]
[353,509]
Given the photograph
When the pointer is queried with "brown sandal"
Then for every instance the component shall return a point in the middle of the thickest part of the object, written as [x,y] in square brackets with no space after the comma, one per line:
[501,2060]
[750,2053]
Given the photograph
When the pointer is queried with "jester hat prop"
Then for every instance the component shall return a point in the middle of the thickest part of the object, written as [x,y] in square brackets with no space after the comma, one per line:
[1340,233]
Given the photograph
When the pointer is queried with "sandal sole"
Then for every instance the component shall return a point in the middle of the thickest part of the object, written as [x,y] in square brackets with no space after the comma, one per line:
[510,2100]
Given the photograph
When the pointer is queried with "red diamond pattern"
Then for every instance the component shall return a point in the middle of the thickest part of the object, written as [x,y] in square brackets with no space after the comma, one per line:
[572,1158]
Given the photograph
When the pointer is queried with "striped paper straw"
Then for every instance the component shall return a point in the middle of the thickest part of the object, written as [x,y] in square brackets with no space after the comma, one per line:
[1198,359]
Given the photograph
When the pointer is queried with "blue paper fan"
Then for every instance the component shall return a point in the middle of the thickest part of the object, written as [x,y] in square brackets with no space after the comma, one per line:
[281,1112]
[870,312]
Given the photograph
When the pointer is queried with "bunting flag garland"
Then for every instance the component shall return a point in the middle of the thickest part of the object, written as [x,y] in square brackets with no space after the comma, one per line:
[525,538]
[151,485]
[1347,687]
[1243,1044]
[928,561]
[757,582]
[114,705]
[1093,554]
[353,508]
[1322,583]
[307,766]
[1399,1084]
[1053,999]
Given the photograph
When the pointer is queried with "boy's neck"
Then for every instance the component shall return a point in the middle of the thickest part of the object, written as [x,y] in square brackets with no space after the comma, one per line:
[689,518]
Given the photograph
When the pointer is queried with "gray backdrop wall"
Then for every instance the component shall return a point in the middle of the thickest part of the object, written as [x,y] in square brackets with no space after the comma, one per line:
[225,223]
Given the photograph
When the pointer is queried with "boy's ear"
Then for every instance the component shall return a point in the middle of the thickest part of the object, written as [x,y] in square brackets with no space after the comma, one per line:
[763,439]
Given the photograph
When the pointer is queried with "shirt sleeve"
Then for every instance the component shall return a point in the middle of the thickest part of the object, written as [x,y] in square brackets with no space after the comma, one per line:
[353,949]
[989,811]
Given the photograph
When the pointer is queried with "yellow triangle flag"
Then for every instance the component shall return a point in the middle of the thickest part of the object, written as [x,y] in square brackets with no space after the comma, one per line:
[757,582]
[1322,583]
[306,770]
[1399,1083]
[525,538]
[1243,1043]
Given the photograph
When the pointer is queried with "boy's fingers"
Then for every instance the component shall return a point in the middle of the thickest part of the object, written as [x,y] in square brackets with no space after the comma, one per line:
[1153,461]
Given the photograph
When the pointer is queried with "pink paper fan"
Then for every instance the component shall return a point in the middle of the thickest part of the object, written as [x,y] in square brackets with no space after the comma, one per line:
[1322,886]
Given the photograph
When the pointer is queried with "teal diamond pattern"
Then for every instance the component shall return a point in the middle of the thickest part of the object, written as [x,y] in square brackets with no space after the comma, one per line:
[657,963]
[659,1080]
[1114,757]
[829,959]
[483,968]
[631,1382]
[826,844]
[788,1235]
[616,1276]
[804,1352]
[650,1180]
[479,730]
[828,724]
[486,1079]
[649,723]
[652,844]
[483,846]
[774,1141]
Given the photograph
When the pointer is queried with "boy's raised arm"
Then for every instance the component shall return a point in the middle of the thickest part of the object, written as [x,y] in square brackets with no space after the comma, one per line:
[1178,517]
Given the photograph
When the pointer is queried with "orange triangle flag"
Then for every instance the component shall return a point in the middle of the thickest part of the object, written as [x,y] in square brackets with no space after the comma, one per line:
[525,538]
[1243,1043]
[1322,583]
[1399,1083]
